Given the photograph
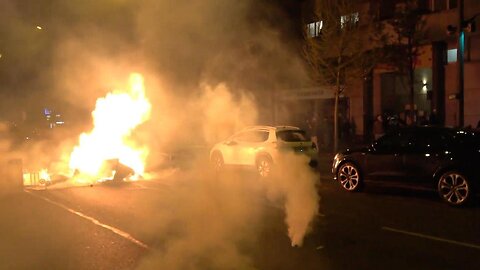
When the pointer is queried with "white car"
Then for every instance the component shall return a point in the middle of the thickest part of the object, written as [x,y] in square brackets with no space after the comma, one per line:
[260,146]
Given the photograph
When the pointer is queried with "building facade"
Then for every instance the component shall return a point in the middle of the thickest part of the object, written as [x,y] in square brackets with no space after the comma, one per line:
[436,73]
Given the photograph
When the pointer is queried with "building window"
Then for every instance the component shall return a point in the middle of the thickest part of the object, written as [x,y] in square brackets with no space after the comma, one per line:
[314,29]
[441,5]
[387,10]
[452,4]
[452,56]
[351,19]
[424,5]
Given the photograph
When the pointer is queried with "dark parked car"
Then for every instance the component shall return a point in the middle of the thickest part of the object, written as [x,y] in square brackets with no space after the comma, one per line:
[444,159]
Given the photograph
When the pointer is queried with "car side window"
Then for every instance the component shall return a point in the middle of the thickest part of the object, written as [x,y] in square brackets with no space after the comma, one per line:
[252,136]
[431,142]
[291,135]
[389,142]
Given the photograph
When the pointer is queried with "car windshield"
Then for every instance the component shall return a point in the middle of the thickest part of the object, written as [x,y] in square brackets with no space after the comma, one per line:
[291,135]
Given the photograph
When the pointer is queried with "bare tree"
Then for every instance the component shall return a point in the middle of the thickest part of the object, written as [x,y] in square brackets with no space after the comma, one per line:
[409,32]
[341,47]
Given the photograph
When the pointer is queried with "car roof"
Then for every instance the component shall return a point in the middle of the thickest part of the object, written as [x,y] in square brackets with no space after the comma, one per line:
[270,128]
[433,128]
[438,130]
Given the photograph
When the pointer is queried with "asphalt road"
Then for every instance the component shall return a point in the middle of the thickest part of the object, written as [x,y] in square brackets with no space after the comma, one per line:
[186,220]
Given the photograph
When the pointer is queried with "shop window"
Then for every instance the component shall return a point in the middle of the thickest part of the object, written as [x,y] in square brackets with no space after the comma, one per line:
[349,20]
[314,29]
[452,56]
[441,5]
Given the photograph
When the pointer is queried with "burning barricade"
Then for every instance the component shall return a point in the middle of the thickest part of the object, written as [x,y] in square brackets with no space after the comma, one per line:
[108,151]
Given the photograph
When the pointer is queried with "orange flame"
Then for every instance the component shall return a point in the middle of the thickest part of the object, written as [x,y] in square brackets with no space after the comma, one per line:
[115,117]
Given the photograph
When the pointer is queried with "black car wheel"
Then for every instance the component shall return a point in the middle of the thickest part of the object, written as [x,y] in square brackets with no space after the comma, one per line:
[349,177]
[264,166]
[454,188]
[217,161]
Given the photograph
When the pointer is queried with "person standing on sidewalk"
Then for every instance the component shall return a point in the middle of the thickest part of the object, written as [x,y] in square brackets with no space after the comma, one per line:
[313,128]
[378,129]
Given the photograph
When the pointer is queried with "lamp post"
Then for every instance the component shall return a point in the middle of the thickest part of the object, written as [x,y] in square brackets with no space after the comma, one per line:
[460,62]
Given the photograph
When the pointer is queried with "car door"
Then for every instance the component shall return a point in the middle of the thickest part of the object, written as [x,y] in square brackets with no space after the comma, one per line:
[242,148]
[429,150]
[231,147]
[234,148]
[383,162]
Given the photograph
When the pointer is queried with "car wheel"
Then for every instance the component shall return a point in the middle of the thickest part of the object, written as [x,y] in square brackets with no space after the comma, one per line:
[264,166]
[349,177]
[217,161]
[454,188]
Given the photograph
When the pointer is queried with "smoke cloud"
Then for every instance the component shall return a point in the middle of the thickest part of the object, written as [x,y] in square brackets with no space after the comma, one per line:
[210,68]
[294,184]
[214,221]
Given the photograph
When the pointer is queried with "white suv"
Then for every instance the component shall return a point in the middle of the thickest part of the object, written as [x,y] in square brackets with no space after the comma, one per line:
[260,146]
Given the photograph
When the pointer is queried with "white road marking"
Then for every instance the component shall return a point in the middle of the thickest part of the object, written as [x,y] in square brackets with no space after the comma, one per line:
[432,238]
[93,220]
[138,186]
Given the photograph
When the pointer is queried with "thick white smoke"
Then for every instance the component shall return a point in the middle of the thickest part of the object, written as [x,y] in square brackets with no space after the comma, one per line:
[209,221]
[199,59]
[294,184]
[205,223]
[223,113]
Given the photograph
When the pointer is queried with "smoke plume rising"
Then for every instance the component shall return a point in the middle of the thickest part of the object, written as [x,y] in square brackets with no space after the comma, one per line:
[211,68]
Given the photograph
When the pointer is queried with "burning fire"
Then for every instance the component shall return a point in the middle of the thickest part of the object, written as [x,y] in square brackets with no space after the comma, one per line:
[115,118]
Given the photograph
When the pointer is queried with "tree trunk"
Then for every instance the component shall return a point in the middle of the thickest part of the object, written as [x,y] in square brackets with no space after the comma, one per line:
[335,114]
[412,95]
[411,73]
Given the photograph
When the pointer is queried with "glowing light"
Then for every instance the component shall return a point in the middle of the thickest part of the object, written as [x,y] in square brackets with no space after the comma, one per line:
[39,27]
[36,178]
[424,87]
[115,117]
[44,175]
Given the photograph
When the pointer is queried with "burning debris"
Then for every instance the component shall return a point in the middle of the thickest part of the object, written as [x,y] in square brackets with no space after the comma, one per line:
[108,151]
[109,147]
